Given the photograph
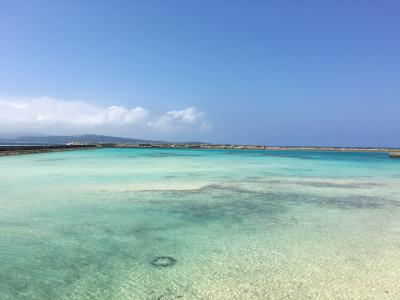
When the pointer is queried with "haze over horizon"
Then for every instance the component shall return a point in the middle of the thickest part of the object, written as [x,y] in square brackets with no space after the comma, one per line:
[273,73]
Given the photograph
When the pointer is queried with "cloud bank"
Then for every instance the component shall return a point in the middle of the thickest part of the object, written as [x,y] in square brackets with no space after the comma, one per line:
[46,114]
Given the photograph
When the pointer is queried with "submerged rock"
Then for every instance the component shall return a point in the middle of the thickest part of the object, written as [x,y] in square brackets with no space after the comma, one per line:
[163,262]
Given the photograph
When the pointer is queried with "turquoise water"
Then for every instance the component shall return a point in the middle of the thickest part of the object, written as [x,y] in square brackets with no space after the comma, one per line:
[233,225]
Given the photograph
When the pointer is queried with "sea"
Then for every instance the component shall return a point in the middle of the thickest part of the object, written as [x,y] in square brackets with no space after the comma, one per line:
[199,224]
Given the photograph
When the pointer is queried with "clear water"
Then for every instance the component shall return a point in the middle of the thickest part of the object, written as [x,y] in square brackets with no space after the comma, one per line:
[238,225]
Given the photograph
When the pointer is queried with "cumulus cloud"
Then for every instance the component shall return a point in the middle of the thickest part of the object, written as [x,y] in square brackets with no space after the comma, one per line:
[45,113]
[176,119]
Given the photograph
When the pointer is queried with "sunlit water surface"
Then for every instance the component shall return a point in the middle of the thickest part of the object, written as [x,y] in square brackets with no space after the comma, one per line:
[199,224]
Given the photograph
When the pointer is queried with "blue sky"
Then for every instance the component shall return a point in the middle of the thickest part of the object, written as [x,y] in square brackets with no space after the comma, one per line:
[257,72]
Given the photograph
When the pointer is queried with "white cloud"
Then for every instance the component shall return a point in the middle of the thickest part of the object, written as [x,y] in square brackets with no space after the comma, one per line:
[176,119]
[121,115]
[46,113]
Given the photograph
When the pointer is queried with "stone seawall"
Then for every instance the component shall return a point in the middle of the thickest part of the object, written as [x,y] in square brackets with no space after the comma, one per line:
[30,149]
[16,150]
[394,154]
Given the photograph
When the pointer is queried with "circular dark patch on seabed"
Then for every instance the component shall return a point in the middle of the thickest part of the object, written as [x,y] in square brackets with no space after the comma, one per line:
[163,262]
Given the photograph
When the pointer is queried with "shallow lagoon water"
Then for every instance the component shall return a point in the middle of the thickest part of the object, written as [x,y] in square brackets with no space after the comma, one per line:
[199,224]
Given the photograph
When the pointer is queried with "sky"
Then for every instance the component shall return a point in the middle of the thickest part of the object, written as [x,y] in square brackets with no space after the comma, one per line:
[249,72]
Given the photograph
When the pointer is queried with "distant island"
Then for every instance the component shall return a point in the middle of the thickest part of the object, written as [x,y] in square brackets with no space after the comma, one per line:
[40,139]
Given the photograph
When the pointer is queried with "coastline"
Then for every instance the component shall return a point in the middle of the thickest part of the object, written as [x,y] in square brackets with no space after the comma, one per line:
[8,150]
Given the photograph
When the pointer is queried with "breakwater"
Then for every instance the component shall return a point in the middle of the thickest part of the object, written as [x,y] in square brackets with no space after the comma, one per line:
[394,154]
[30,149]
